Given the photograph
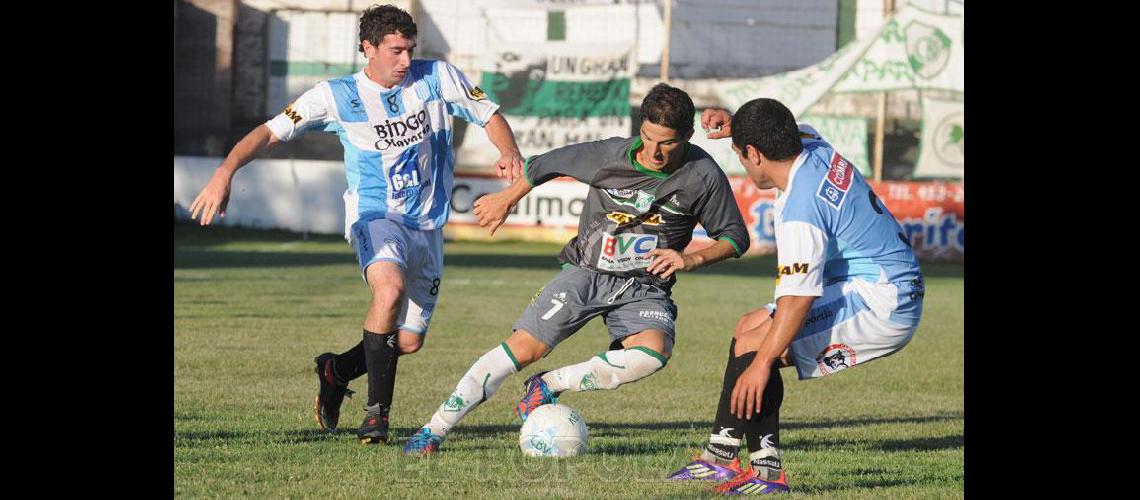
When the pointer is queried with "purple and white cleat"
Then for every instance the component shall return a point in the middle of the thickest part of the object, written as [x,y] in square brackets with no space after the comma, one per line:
[701,470]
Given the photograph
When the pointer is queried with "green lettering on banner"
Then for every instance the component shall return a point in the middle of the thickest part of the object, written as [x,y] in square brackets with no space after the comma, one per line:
[518,95]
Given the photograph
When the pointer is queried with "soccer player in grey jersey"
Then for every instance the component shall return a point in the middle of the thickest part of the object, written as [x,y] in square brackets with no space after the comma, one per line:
[646,195]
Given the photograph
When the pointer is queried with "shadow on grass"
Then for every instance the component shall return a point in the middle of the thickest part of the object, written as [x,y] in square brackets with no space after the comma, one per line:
[209,438]
[618,429]
[192,251]
[864,479]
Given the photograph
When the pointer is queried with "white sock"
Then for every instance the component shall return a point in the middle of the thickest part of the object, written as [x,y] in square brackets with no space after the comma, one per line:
[607,370]
[766,462]
[477,385]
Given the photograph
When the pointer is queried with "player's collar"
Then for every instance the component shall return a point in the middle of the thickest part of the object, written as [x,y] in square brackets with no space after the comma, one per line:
[795,168]
[368,82]
[632,154]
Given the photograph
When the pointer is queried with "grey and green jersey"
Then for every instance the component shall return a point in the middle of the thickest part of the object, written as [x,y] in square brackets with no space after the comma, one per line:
[630,210]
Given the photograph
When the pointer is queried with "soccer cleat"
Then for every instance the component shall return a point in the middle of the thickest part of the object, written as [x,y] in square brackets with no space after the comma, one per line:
[423,442]
[374,429]
[330,393]
[701,470]
[537,394]
[747,483]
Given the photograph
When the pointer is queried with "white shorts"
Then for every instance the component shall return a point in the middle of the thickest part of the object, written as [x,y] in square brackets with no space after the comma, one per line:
[854,322]
[418,253]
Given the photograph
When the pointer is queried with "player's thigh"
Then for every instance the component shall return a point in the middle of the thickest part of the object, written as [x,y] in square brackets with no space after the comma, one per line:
[646,318]
[561,307]
[421,291]
[650,338]
[842,330]
[379,240]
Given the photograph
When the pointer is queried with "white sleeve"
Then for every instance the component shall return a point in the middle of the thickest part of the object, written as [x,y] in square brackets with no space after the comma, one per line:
[308,112]
[801,250]
[463,98]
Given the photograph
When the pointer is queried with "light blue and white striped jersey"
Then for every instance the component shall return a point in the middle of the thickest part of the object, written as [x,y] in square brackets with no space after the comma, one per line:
[397,141]
[830,226]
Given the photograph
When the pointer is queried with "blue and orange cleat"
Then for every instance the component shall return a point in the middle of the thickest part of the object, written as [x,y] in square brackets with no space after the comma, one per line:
[537,394]
[702,470]
[747,483]
[423,442]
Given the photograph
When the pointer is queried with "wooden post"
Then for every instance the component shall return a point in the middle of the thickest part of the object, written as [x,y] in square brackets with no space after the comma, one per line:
[668,35]
[881,111]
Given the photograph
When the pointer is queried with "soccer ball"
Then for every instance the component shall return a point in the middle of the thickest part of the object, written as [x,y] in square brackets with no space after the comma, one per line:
[553,430]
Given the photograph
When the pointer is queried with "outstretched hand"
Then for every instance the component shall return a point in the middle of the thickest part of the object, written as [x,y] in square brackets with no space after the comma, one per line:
[510,166]
[492,210]
[717,118]
[213,199]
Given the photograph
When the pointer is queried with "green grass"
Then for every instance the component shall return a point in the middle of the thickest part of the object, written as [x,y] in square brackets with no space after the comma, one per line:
[252,308]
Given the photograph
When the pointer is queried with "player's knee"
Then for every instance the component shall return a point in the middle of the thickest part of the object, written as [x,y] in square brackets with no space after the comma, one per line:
[751,320]
[410,343]
[525,348]
[387,295]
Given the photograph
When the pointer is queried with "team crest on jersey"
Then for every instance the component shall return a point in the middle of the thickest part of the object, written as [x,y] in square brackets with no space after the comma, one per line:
[635,198]
[835,357]
[293,115]
[833,188]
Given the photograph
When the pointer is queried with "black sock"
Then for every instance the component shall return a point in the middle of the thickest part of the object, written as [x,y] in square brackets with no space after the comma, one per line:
[764,430]
[381,354]
[350,364]
[726,424]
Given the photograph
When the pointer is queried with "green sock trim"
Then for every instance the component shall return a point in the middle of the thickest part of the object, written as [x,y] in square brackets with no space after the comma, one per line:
[485,379]
[518,368]
[604,358]
[653,353]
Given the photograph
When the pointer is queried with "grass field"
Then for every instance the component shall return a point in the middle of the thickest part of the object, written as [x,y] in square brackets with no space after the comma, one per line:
[252,309]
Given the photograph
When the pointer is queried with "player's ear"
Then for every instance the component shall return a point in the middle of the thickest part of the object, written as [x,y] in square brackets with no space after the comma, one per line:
[750,152]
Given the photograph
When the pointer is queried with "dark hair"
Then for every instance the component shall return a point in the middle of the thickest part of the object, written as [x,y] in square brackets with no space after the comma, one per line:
[669,107]
[769,127]
[380,20]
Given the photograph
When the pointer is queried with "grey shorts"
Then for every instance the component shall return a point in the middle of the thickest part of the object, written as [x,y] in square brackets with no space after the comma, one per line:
[577,295]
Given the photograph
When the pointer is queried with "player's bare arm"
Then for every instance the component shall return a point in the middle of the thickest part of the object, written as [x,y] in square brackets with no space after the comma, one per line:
[492,209]
[667,261]
[790,313]
[717,118]
[216,195]
[510,164]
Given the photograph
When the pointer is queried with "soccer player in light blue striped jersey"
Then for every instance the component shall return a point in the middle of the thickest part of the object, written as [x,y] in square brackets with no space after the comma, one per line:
[848,290]
[394,119]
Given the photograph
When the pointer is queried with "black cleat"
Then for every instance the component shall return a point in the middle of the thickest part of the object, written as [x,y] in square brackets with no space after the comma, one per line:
[330,394]
[374,429]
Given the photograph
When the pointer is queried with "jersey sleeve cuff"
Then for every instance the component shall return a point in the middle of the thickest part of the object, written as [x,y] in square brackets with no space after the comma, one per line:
[799,292]
[733,243]
[526,175]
